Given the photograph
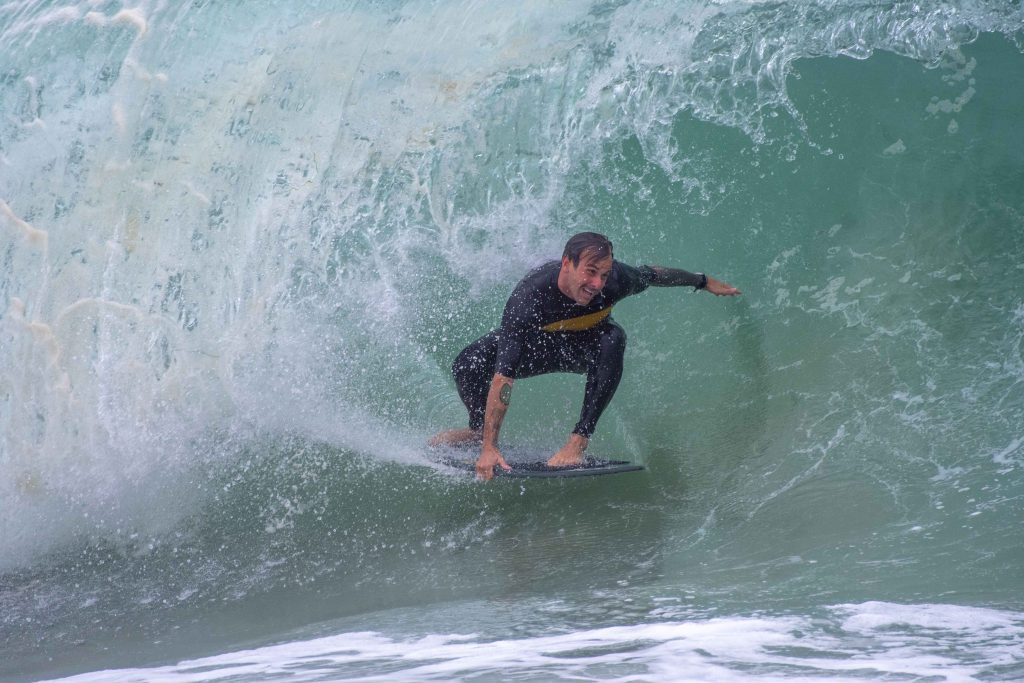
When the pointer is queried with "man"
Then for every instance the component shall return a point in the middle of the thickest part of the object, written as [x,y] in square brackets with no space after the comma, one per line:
[557,320]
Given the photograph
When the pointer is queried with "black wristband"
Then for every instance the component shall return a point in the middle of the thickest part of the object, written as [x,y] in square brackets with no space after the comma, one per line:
[703,281]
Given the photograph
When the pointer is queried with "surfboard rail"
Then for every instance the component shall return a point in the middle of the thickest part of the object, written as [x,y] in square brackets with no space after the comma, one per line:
[541,470]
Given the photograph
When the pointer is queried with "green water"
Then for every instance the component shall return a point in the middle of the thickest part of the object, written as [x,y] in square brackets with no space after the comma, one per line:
[242,248]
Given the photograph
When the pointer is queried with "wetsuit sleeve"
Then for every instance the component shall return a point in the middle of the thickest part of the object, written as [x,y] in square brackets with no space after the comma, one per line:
[657,276]
[515,323]
[633,280]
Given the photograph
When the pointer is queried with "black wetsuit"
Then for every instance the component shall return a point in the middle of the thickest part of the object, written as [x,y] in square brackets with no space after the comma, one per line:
[542,330]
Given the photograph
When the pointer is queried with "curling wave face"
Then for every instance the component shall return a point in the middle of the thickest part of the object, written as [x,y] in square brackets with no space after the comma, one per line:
[242,245]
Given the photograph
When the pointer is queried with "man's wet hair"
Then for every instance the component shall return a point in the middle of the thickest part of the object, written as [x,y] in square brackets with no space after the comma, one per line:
[591,244]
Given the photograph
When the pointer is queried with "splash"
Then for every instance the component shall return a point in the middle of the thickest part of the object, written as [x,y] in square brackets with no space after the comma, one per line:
[212,237]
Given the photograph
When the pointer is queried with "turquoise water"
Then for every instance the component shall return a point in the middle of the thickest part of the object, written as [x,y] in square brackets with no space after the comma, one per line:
[242,245]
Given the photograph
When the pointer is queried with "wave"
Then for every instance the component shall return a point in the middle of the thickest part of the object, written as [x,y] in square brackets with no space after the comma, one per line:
[859,640]
[242,245]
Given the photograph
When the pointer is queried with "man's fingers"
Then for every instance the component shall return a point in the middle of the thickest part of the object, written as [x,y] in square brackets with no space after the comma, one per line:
[719,288]
[724,290]
[487,473]
[486,464]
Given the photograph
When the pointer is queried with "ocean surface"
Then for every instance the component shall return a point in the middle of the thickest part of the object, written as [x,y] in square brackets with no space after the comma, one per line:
[242,243]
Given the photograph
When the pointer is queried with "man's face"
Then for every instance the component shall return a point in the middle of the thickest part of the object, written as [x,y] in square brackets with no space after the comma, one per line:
[586,280]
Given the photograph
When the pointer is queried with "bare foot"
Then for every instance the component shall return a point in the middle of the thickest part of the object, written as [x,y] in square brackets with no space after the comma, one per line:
[571,453]
[455,437]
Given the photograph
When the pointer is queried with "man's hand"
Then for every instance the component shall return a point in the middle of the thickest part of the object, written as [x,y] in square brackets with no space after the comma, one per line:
[571,453]
[489,458]
[719,288]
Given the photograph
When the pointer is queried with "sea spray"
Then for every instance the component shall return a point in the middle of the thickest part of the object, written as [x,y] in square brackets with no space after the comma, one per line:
[242,245]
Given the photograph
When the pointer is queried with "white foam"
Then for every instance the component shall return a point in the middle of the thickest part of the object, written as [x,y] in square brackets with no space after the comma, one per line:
[1003,456]
[130,17]
[895,149]
[872,617]
[35,236]
[33,25]
[880,640]
[133,17]
[117,116]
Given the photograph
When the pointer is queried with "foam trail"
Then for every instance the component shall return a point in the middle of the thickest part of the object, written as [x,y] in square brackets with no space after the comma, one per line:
[734,648]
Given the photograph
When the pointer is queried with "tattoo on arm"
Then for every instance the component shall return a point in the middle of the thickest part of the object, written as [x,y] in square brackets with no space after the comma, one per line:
[497,404]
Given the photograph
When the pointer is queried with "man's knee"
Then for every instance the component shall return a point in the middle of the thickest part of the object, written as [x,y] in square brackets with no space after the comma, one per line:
[476,359]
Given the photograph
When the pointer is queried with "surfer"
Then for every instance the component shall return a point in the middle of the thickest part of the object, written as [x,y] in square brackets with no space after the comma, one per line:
[558,319]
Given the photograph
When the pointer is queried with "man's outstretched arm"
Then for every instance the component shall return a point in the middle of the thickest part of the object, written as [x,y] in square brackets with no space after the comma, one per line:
[498,398]
[676,277]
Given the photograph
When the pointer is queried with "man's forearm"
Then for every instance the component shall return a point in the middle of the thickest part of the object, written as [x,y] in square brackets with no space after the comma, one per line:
[676,277]
[497,404]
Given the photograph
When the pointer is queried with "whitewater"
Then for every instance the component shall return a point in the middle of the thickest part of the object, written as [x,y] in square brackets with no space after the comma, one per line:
[242,244]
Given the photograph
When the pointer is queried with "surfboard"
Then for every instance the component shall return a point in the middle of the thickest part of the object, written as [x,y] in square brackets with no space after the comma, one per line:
[540,470]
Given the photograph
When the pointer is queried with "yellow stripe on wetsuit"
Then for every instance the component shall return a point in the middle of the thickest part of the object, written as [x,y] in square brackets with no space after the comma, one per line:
[584,322]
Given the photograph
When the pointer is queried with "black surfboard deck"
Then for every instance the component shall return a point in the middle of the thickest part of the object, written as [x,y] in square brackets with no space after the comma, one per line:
[540,470]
